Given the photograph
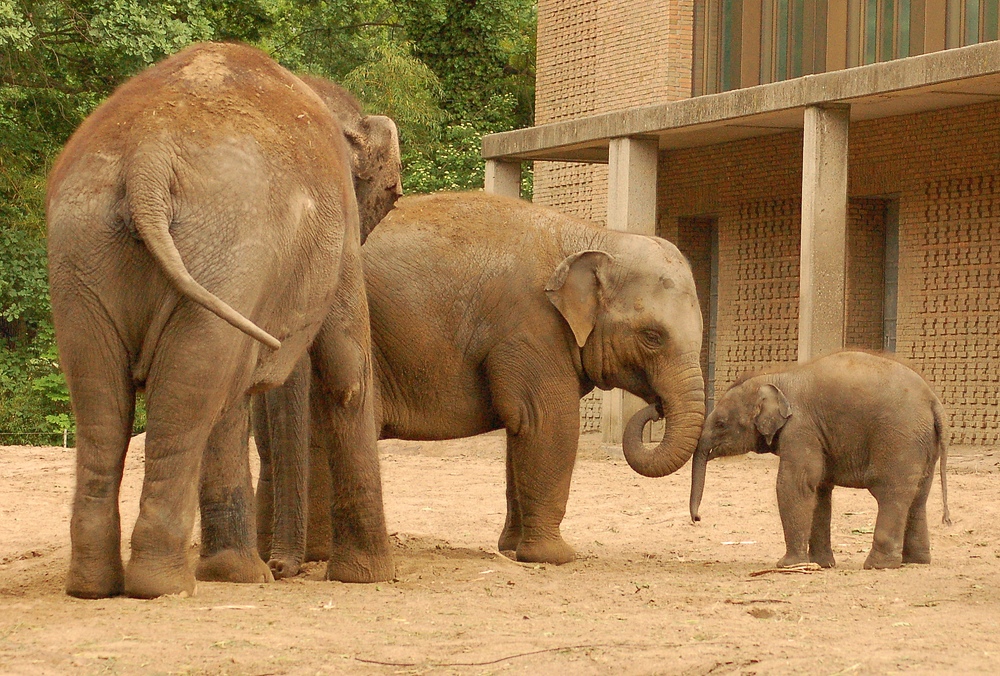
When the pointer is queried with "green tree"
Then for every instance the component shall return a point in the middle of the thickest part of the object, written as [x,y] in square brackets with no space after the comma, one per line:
[447,71]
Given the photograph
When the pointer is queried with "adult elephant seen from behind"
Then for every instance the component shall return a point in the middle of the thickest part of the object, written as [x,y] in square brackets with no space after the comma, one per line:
[214,186]
[491,313]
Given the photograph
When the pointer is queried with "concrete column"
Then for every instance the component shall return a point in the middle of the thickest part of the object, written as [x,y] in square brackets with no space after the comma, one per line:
[631,207]
[503,178]
[823,267]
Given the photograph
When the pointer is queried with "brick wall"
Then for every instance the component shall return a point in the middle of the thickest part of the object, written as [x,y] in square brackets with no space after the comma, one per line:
[941,167]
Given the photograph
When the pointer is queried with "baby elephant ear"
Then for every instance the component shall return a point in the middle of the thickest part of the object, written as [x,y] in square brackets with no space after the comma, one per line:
[772,411]
[575,290]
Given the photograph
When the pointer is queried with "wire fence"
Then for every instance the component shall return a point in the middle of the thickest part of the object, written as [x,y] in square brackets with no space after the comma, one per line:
[6,437]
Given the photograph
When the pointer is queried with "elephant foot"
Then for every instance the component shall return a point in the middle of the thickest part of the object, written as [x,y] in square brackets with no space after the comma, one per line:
[282,567]
[789,560]
[316,551]
[146,580]
[923,557]
[554,551]
[823,559]
[361,568]
[91,581]
[509,539]
[230,565]
[880,560]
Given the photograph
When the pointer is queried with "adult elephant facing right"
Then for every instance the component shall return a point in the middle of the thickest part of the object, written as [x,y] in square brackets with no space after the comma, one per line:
[492,313]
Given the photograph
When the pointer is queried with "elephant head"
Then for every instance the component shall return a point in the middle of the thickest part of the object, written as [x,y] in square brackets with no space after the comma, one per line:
[634,313]
[746,418]
[373,141]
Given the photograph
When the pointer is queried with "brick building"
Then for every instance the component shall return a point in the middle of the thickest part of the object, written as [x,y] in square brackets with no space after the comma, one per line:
[829,167]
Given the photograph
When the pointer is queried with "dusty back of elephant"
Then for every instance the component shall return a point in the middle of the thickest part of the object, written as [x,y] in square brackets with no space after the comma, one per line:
[241,163]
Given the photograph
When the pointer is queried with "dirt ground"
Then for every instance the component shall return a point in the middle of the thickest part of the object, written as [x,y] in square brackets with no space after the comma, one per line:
[650,593]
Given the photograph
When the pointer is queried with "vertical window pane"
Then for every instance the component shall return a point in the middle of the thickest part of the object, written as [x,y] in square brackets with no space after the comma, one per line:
[886,30]
[781,41]
[871,31]
[953,24]
[854,21]
[971,22]
[990,20]
[766,41]
[903,37]
[796,33]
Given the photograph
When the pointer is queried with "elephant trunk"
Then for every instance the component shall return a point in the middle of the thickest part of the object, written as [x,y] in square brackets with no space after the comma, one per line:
[699,465]
[683,405]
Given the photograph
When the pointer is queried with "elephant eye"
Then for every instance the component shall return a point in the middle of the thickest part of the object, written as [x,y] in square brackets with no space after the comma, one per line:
[652,338]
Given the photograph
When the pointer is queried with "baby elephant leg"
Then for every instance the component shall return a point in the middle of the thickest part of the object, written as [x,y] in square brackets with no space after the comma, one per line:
[820,549]
[890,525]
[916,538]
[799,475]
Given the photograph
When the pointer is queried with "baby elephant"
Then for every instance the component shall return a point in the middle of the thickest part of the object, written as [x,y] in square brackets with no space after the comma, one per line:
[848,419]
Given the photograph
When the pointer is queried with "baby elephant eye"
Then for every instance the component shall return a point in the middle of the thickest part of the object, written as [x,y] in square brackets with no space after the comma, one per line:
[652,338]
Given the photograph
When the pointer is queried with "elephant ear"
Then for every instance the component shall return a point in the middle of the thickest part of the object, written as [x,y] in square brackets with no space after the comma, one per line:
[773,411]
[575,289]
[372,134]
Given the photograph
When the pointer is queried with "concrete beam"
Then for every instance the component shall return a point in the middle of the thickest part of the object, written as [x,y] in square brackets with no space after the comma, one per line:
[823,267]
[944,79]
[632,164]
[503,178]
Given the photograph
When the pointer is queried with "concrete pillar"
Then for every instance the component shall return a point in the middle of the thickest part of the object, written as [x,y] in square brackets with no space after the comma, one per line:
[823,268]
[631,207]
[503,178]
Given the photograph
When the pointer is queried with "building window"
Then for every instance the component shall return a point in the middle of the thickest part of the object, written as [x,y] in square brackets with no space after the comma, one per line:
[878,30]
[741,43]
[970,22]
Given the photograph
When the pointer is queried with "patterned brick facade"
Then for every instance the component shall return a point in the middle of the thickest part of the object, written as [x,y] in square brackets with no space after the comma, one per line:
[941,168]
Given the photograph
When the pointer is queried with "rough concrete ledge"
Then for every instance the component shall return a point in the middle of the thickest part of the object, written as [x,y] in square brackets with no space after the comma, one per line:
[951,78]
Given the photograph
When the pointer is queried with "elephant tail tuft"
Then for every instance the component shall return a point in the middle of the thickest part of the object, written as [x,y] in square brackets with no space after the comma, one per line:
[147,195]
[941,436]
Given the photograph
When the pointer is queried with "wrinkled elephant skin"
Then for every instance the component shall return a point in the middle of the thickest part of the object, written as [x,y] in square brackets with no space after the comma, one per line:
[849,419]
[492,313]
[215,180]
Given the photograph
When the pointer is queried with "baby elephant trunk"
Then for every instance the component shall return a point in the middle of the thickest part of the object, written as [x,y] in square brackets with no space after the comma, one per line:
[699,465]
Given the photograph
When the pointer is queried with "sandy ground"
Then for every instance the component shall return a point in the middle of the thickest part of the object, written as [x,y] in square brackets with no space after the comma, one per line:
[650,593]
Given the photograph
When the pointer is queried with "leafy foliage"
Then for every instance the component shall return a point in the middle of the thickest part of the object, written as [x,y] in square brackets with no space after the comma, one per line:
[448,71]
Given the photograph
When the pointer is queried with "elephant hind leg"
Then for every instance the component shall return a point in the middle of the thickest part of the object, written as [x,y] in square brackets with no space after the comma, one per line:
[894,504]
[201,368]
[228,523]
[916,538]
[97,371]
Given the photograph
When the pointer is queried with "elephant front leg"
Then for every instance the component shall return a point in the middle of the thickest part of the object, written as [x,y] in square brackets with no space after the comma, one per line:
[228,523]
[799,475]
[820,547]
[511,534]
[541,412]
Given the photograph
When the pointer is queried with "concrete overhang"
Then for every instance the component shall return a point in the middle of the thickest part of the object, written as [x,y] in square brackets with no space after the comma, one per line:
[946,79]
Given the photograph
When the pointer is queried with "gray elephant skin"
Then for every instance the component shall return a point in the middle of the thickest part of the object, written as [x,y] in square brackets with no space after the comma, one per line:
[850,419]
[215,174]
[493,313]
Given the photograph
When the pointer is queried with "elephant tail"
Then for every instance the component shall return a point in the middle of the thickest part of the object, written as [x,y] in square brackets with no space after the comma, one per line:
[941,435]
[147,196]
